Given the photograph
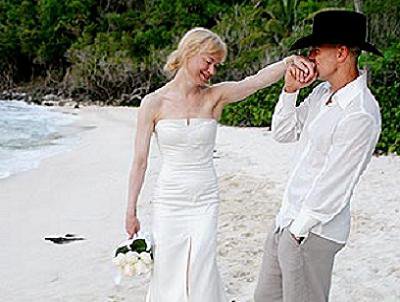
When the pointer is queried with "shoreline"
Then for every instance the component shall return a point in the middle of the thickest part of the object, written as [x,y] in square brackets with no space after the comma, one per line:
[83,191]
[58,131]
[56,98]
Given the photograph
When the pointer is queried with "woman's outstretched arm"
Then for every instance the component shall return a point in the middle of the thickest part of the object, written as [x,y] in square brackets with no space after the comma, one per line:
[144,130]
[230,92]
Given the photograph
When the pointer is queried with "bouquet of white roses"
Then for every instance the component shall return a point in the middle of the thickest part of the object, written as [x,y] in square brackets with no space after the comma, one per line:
[134,257]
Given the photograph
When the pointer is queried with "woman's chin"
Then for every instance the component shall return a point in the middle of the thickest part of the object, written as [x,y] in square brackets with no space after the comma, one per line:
[204,81]
[201,82]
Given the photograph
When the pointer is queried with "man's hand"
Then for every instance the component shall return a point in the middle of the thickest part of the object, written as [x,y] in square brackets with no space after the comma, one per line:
[299,74]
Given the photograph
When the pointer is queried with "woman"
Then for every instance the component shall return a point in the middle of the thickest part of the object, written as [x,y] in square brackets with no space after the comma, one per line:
[183,115]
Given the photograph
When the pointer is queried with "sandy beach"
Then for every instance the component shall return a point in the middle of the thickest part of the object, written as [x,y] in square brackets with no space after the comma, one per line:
[84,192]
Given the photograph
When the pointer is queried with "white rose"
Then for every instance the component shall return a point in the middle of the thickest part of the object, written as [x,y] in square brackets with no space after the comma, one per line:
[145,257]
[129,270]
[119,260]
[132,257]
[141,268]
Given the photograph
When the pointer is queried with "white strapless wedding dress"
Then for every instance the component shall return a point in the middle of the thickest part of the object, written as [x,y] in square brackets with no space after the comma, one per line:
[184,214]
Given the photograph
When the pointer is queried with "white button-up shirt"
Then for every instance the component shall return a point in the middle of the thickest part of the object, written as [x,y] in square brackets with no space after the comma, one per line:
[335,144]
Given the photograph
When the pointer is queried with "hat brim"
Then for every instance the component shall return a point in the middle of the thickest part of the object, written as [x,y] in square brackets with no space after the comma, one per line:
[304,42]
[311,40]
[371,48]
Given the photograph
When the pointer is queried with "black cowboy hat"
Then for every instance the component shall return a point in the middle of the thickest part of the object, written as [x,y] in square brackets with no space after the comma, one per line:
[338,27]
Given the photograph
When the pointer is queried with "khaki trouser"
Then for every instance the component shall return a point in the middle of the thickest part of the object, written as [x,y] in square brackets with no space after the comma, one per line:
[296,273]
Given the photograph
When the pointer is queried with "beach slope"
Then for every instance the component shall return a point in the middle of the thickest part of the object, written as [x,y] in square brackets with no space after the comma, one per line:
[84,191]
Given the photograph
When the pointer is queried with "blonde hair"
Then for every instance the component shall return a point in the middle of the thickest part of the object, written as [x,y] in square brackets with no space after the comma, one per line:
[196,40]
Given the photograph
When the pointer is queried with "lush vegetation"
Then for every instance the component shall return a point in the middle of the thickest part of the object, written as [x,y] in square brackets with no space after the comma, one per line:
[113,51]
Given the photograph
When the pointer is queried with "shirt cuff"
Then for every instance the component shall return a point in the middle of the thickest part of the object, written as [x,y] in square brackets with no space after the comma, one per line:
[287,102]
[302,225]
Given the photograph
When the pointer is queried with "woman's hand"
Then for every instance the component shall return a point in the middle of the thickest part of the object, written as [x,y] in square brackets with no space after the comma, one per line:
[304,69]
[132,224]
[300,73]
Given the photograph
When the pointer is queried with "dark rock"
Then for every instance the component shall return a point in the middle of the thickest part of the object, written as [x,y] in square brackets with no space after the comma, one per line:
[67,238]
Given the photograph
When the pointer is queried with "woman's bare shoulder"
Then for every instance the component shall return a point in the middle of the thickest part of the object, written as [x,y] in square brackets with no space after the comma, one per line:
[152,100]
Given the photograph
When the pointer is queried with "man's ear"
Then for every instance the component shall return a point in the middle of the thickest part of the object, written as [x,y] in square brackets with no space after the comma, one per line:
[342,53]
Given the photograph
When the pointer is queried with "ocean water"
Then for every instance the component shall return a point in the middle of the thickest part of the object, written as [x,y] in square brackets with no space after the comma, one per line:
[30,133]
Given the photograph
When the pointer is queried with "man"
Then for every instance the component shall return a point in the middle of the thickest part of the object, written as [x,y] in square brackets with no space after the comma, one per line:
[337,128]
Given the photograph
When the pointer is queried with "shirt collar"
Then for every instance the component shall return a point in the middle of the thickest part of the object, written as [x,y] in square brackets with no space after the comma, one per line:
[346,94]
